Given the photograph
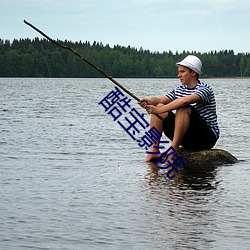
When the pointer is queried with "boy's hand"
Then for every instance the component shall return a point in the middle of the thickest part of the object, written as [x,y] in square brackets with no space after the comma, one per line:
[144,102]
[151,109]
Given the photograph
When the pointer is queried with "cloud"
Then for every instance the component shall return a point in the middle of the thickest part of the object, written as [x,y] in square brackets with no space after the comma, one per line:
[149,2]
[225,5]
[83,6]
[152,24]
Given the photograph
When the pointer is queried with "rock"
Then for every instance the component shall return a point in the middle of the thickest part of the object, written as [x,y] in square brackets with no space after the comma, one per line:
[207,157]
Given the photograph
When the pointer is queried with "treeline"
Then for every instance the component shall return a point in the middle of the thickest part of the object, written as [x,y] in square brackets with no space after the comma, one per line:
[41,58]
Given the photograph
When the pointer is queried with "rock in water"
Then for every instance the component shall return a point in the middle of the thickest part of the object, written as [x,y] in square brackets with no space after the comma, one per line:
[207,157]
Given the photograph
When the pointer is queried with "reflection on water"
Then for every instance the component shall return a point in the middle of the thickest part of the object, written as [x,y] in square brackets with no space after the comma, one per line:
[187,203]
[189,208]
[191,176]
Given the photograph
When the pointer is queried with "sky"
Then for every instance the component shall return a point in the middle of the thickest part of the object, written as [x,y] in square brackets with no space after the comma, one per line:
[155,25]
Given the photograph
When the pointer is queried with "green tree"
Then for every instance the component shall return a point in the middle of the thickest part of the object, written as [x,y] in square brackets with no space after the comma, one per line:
[247,69]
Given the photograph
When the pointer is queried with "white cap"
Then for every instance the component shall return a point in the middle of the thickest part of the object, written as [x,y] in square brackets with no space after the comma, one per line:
[191,62]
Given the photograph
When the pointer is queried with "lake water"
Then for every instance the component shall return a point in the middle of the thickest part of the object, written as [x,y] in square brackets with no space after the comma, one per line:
[72,178]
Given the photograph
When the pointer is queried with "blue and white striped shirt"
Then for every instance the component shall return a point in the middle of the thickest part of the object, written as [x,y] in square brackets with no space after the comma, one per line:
[206,108]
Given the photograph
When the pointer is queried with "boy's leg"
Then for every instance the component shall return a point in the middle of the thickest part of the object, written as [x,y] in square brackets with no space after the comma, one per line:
[157,123]
[182,119]
[199,135]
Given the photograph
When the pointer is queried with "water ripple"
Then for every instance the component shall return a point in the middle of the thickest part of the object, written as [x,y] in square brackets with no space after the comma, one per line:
[71,178]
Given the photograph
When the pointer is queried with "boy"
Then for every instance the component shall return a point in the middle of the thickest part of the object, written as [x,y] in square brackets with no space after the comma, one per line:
[194,125]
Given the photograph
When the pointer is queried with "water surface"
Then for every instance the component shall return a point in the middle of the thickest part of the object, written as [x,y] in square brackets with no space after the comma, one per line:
[72,178]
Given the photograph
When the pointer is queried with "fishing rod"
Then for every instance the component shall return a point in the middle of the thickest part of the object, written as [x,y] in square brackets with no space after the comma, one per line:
[87,61]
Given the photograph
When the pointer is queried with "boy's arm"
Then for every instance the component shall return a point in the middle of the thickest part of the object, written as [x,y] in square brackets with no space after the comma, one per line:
[154,101]
[176,104]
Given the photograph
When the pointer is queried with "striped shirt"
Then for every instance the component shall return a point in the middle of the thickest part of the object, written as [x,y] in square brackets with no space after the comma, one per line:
[206,108]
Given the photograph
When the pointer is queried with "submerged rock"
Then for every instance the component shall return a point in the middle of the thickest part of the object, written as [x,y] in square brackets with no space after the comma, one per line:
[207,157]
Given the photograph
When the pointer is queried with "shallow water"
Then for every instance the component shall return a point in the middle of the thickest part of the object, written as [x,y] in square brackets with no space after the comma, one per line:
[72,178]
